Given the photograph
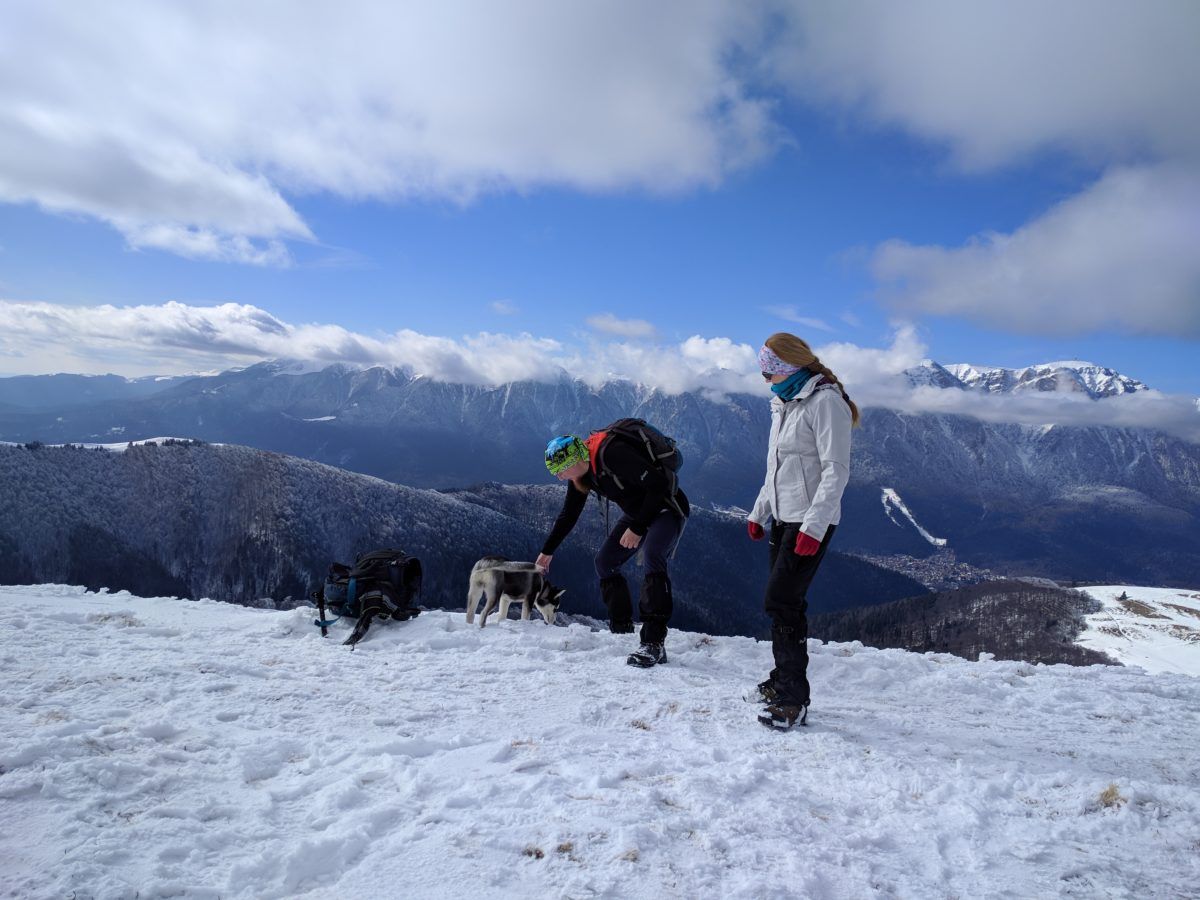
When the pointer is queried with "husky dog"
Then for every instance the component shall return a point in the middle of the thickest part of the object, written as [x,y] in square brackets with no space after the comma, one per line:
[502,581]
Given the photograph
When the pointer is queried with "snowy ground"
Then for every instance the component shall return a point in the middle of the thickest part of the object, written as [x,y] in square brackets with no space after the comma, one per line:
[1155,628]
[157,747]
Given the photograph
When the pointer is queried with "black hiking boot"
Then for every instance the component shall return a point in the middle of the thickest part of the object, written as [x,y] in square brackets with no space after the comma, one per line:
[648,655]
[783,716]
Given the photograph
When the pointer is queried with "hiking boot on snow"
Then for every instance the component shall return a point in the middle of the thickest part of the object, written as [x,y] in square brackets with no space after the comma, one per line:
[648,655]
[784,716]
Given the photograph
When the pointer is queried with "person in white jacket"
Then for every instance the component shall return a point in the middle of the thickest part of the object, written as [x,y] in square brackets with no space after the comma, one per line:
[808,465]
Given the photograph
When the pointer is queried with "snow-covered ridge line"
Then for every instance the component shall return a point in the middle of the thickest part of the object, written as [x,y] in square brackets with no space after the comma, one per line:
[1069,376]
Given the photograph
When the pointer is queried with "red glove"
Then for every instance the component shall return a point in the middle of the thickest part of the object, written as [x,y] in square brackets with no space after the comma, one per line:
[806,545]
[754,530]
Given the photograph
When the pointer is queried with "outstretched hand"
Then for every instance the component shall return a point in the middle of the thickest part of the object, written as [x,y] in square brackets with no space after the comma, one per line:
[629,540]
[543,563]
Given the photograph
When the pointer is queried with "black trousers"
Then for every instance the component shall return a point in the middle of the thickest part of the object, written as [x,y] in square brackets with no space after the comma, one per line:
[786,603]
[655,604]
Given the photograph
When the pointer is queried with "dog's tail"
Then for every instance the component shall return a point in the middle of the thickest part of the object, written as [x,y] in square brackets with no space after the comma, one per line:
[488,561]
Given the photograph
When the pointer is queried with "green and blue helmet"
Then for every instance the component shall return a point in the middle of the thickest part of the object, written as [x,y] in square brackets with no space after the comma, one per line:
[563,452]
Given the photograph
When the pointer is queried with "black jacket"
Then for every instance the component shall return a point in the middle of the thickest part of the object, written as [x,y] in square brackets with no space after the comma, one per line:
[629,480]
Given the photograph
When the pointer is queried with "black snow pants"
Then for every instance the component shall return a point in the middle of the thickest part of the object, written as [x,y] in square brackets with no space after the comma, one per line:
[787,604]
[655,603]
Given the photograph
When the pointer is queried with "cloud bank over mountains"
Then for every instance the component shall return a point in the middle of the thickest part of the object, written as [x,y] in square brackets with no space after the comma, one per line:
[176,338]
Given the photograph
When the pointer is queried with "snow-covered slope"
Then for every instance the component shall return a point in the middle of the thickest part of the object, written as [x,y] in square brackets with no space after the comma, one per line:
[1155,628]
[155,747]
[892,501]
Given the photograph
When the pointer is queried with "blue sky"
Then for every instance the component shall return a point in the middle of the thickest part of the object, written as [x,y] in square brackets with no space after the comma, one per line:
[809,166]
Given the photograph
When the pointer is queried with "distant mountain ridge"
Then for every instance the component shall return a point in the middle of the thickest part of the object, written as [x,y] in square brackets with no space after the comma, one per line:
[1016,499]
[33,392]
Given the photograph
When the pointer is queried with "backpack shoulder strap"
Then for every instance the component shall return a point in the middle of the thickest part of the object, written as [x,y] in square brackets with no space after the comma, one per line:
[603,441]
[594,442]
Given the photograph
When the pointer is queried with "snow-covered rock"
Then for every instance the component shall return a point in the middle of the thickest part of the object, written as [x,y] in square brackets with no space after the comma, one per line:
[156,747]
[932,374]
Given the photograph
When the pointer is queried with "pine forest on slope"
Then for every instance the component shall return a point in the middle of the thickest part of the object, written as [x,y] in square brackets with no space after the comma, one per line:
[258,528]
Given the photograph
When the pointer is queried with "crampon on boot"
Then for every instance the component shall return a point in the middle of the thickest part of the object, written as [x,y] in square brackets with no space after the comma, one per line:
[648,655]
[783,716]
[763,692]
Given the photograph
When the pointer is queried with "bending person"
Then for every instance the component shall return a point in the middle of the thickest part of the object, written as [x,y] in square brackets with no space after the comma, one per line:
[652,520]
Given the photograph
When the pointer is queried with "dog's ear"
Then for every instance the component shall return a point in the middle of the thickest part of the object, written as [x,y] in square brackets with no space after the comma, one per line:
[557,595]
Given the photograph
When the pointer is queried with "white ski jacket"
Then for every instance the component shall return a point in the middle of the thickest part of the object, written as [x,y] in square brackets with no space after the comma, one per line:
[808,460]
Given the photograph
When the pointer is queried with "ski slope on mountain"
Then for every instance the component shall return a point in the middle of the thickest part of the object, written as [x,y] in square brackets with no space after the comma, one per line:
[159,747]
[1155,628]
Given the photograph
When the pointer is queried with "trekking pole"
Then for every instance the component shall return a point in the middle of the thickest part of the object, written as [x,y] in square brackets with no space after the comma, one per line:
[319,596]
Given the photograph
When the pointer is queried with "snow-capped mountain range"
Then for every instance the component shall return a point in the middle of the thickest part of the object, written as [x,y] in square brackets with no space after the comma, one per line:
[1069,376]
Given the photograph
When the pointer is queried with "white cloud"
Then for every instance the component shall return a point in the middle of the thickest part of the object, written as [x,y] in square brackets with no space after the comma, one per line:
[39,338]
[1173,414]
[185,125]
[1110,83]
[607,323]
[504,308]
[792,314]
[873,369]
[205,243]
[999,81]
[1123,255]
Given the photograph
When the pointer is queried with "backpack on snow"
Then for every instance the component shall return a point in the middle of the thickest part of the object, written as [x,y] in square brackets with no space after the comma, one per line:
[380,583]
[662,451]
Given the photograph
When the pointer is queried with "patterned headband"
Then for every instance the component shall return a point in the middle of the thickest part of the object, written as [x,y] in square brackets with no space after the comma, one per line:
[772,364]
